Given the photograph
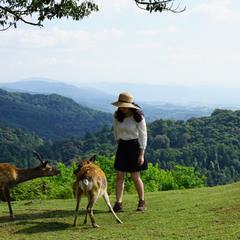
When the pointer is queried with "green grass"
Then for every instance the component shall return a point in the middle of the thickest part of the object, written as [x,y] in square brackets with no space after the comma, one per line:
[206,213]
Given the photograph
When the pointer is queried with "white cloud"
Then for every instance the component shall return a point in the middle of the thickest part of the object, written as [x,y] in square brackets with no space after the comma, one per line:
[39,39]
[154,31]
[218,10]
[148,45]
[116,5]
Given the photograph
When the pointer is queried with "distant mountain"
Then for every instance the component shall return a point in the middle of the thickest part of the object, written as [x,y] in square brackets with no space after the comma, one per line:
[99,99]
[210,96]
[49,116]
[174,112]
[86,96]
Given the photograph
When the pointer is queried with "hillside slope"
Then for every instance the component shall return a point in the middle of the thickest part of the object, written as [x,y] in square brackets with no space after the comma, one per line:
[49,116]
[206,214]
[100,99]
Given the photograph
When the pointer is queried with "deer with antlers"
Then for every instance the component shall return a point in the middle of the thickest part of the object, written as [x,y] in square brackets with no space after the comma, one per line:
[91,181]
[11,175]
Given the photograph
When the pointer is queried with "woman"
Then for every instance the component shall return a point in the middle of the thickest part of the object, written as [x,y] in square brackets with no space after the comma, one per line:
[131,136]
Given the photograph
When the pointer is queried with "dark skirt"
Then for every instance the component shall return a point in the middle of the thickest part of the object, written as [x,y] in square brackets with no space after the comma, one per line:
[127,157]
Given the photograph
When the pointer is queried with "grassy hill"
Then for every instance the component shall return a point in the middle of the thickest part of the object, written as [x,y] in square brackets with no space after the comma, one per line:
[49,116]
[206,213]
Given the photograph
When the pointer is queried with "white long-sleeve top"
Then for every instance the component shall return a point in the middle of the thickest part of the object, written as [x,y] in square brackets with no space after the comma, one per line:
[130,129]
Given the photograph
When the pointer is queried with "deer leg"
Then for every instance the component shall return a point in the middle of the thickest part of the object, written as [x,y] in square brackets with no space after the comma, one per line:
[85,220]
[107,201]
[78,198]
[6,195]
[92,200]
[2,198]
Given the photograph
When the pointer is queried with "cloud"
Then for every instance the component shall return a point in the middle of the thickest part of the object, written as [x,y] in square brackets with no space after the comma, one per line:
[156,31]
[116,5]
[218,10]
[39,39]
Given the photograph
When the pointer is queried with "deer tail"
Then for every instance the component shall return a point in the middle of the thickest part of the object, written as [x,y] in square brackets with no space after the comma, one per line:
[86,184]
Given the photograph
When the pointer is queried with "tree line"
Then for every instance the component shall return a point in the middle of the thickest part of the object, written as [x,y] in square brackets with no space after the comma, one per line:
[211,145]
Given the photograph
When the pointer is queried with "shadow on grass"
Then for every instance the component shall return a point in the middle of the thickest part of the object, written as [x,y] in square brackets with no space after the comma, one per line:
[19,218]
[40,227]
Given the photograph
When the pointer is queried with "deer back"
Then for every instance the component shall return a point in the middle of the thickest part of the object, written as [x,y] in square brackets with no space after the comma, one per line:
[8,173]
[90,178]
[11,175]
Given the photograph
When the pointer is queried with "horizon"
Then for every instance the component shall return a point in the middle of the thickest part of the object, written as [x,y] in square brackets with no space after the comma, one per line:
[144,93]
[83,83]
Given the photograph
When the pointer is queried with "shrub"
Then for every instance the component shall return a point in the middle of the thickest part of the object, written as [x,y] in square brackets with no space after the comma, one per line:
[155,179]
[187,177]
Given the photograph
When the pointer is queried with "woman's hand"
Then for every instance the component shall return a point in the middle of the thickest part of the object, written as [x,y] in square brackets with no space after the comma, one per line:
[140,160]
[141,157]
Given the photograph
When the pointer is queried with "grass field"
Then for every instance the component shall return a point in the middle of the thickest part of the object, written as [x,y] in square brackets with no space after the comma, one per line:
[206,213]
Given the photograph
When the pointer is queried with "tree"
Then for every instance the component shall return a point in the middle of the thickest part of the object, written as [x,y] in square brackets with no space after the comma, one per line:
[159,6]
[161,141]
[15,11]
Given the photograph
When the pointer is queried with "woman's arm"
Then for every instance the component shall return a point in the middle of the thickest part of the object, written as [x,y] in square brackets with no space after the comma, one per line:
[142,134]
[142,138]
[141,157]
[115,130]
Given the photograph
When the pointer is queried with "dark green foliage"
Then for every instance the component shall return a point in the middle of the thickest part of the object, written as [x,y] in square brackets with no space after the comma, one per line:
[209,144]
[16,147]
[13,11]
[49,116]
[101,143]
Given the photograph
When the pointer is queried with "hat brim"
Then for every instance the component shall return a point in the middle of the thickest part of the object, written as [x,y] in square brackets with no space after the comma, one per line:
[124,104]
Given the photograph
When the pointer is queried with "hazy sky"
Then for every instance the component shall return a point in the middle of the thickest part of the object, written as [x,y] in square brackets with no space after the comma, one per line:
[124,44]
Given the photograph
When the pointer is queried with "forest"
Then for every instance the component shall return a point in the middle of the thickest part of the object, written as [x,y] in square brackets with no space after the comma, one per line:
[49,116]
[211,145]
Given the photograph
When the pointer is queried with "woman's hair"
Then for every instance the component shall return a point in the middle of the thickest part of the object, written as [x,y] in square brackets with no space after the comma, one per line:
[137,115]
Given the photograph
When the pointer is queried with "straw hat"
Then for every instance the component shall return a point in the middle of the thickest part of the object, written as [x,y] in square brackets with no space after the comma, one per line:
[125,99]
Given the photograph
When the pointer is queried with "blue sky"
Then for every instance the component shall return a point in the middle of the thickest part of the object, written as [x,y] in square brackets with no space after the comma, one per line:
[124,44]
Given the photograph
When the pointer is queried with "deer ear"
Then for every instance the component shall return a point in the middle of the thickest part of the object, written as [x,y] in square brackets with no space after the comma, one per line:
[93,158]
[44,164]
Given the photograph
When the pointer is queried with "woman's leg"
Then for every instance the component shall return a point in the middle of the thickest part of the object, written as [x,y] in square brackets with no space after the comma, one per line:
[140,190]
[120,186]
[138,184]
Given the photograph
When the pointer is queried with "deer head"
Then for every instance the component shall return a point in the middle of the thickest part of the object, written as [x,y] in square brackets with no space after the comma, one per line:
[45,168]
[83,163]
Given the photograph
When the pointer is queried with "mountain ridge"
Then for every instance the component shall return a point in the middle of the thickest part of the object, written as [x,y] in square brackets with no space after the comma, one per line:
[49,116]
[91,96]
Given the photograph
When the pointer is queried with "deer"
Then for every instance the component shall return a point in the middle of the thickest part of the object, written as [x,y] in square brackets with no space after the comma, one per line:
[10,176]
[92,182]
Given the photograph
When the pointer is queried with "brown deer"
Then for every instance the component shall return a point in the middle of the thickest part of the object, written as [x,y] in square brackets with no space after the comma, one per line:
[11,175]
[91,181]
